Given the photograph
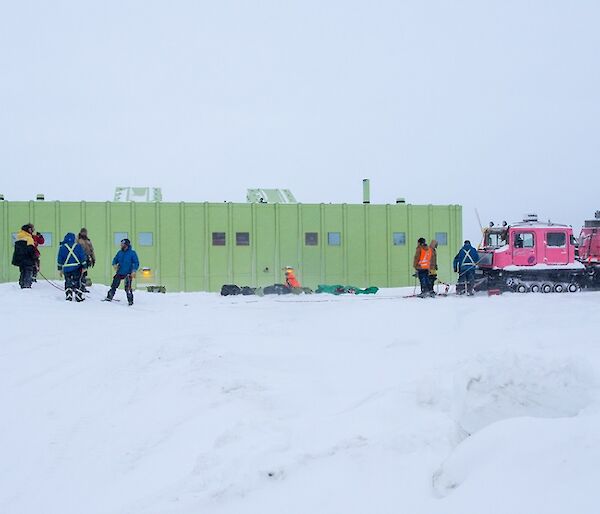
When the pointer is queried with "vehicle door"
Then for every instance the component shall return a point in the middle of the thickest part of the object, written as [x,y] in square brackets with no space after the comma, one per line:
[523,243]
[557,249]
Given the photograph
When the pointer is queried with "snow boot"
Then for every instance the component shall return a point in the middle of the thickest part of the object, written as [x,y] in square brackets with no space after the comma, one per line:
[69,295]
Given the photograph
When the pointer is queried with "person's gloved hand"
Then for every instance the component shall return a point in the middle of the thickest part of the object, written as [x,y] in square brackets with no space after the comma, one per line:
[116,267]
[133,274]
[60,272]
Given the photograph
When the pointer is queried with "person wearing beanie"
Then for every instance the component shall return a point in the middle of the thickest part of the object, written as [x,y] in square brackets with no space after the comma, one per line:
[422,264]
[465,264]
[88,248]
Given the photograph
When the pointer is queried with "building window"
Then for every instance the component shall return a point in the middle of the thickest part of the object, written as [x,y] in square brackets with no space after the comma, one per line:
[441,238]
[334,238]
[47,238]
[556,239]
[399,238]
[218,238]
[145,238]
[311,238]
[119,236]
[242,238]
[524,240]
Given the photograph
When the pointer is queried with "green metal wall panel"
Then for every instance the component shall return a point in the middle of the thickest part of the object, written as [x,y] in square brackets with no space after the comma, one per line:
[196,247]
[170,263]
[377,243]
[289,239]
[333,261]
[357,273]
[310,264]
[182,256]
[264,228]
[241,255]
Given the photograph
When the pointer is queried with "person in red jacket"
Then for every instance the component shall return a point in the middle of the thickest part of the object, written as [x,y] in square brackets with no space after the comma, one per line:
[38,239]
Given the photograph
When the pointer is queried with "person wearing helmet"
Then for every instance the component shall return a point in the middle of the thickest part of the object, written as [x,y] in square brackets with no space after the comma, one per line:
[126,263]
[290,278]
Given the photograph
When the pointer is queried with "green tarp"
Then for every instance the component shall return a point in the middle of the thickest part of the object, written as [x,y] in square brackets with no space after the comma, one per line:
[338,289]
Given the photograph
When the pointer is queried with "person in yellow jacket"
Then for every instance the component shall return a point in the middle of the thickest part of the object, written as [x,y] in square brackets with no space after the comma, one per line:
[422,262]
[24,255]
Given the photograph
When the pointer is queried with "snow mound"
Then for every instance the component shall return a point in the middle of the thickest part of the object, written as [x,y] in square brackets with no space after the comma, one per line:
[490,388]
[524,465]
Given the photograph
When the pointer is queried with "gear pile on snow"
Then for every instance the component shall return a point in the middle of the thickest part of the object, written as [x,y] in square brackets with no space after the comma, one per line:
[278,289]
[338,289]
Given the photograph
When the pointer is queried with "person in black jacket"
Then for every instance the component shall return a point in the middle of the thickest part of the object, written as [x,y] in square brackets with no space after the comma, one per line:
[25,256]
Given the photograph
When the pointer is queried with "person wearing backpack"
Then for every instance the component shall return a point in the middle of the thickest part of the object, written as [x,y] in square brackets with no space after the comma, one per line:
[71,262]
[465,264]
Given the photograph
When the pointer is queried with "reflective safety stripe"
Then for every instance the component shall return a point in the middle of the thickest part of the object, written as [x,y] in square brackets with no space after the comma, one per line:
[425,258]
[71,253]
[464,261]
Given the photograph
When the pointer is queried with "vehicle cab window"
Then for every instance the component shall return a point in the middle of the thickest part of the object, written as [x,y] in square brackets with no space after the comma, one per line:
[524,240]
[558,239]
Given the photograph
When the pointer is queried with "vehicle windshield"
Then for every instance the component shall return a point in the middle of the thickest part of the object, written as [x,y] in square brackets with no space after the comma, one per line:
[495,238]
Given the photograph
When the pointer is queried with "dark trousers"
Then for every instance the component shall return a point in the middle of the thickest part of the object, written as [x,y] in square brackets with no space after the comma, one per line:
[26,276]
[36,268]
[466,282]
[73,286]
[432,279]
[423,275]
[83,280]
[116,283]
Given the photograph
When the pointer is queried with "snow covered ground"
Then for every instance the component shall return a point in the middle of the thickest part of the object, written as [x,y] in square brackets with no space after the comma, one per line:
[195,403]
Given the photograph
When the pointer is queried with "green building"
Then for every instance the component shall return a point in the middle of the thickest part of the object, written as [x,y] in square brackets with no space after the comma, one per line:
[201,246]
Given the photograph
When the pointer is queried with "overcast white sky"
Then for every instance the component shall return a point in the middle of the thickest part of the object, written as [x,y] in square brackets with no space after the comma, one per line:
[490,104]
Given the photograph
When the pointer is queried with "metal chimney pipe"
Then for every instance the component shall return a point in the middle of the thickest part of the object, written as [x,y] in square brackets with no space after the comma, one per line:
[366,190]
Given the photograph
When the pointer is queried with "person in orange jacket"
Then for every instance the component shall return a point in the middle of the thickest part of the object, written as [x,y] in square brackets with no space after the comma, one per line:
[290,278]
[422,263]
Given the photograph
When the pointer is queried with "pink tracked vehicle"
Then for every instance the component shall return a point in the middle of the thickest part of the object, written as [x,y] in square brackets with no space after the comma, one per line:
[531,256]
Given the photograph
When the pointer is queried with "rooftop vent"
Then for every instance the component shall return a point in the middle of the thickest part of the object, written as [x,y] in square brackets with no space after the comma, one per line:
[270,196]
[595,223]
[40,197]
[138,194]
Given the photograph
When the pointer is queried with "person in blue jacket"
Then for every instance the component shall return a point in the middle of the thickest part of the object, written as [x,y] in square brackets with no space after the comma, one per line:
[71,261]
[126,263]
[465,264]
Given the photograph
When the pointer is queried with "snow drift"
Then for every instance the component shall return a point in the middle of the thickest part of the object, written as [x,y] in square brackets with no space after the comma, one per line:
[196,403]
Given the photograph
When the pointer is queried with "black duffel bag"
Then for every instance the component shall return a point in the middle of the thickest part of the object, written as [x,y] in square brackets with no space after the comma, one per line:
[230,289]
[277,289]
